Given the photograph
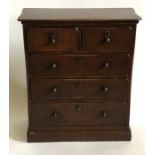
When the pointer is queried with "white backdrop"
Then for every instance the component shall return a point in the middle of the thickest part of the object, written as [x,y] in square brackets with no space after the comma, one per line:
[18,103]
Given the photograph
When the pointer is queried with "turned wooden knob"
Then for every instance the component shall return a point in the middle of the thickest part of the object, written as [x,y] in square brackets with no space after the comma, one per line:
[106,65]
[76,29]
[103,114]
[106,89]
[55,114]
[53,91]
[51,38]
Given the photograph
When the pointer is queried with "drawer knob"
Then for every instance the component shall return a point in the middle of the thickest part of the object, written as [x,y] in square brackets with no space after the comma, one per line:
[106,89]
[53,90]
[55,114]
[103,114]
[106,37]
[53,41]
[108,40]
[78,107]
[51,38]
[79,60]
[76,29]
[53,66]
[106,65]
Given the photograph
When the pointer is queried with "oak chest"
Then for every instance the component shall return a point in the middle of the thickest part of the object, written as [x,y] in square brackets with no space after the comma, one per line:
[79,65]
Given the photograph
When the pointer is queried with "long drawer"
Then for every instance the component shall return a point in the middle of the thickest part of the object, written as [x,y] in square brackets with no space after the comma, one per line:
[93,65]
[79,89]
[91,113]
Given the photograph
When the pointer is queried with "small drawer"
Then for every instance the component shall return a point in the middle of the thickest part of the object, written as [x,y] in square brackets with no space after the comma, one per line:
[52,39]
[42,89]
[109,39]
[103,65]
[91,113]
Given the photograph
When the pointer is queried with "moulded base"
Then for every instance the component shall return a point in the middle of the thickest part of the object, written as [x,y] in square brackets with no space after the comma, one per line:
[79,134]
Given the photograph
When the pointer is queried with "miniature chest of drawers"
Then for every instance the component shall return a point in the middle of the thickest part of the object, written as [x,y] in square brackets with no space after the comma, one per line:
[79,65]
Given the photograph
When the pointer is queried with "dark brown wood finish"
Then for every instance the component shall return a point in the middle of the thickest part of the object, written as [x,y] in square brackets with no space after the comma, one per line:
[52,39]
[105,39]
[79,89]
[78,65]
[76,14]
[78,114]
[79,73]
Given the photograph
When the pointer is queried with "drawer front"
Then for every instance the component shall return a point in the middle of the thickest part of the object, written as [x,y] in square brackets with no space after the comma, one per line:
[52,39]
[110,39]
[79,89]
[104,65]
[78,114]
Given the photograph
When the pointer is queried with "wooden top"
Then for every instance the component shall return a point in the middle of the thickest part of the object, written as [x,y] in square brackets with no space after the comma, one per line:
[75,14]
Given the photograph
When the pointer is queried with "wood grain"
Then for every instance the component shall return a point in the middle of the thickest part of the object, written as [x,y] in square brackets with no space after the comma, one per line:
[79,67]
